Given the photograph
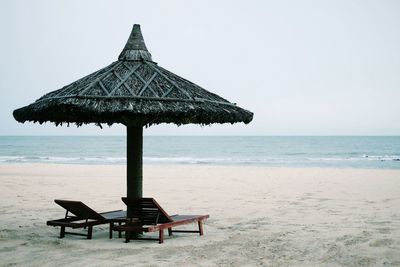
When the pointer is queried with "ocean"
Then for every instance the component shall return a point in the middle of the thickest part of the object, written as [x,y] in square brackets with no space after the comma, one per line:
[288,151]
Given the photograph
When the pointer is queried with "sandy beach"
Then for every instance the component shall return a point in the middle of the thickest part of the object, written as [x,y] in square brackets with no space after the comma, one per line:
[258,216]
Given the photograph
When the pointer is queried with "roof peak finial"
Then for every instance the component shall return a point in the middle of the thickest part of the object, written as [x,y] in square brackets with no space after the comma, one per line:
[135,48]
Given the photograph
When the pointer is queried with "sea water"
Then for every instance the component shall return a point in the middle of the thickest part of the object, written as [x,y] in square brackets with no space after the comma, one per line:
[288,151]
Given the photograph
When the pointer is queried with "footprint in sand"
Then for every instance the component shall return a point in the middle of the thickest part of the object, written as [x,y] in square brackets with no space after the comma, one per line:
[306,196]
[350,240]
[384,230]
[385,242]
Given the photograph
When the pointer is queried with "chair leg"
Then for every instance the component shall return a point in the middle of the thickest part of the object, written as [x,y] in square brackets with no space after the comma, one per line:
[110,234]
[119,232]
[90,230]
[170,231]
[200,227]
[161,237]
[127,237]
[62,232]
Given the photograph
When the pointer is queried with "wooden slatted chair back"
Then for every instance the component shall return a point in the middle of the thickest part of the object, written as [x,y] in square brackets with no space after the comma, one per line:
[79,209]
[147,210]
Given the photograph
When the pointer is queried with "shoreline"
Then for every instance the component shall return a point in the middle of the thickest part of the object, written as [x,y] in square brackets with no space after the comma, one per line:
[258,215]
[197,164]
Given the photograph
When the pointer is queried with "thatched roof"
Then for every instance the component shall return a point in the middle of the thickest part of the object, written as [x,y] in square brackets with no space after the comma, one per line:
[135,91]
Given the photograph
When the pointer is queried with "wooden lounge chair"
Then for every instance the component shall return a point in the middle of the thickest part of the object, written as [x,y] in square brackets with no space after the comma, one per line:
[83,217]
[148,216]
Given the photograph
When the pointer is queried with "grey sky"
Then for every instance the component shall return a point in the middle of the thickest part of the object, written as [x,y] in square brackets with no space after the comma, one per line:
[303,67]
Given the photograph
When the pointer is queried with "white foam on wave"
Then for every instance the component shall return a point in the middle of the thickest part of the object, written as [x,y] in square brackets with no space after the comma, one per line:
[194,160]
[382,158]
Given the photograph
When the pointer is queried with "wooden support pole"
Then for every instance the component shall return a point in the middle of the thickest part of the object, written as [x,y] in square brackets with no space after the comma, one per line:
[134,158]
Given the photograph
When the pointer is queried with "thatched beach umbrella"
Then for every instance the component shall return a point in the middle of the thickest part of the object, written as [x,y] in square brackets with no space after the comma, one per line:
[136,92]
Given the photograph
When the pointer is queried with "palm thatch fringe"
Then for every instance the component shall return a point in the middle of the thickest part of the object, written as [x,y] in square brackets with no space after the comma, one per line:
[145,112]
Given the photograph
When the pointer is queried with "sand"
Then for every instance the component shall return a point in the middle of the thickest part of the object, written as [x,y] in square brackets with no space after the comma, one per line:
[259,216]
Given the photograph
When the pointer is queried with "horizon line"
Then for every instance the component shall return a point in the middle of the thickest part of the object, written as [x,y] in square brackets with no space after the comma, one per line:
[216,135]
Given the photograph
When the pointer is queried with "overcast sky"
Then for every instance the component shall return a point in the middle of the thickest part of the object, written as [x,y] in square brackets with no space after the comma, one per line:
[302,67]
